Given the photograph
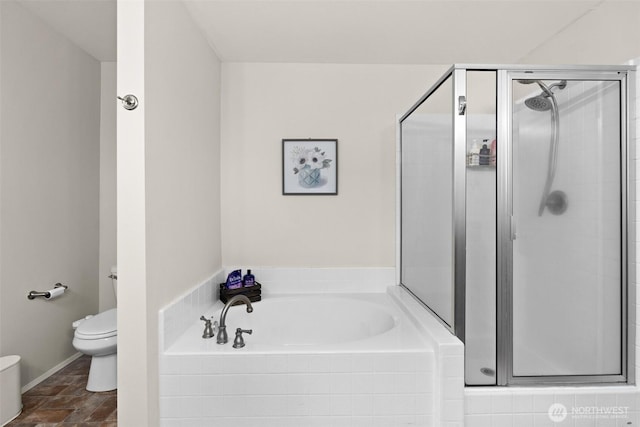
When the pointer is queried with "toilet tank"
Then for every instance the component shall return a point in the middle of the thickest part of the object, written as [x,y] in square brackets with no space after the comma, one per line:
[114,280]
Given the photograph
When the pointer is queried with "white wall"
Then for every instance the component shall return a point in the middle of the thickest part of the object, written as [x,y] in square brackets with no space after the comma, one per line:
[168,185]
[182,84]
[50,136]
[108,105]
[357,104]
[133,349]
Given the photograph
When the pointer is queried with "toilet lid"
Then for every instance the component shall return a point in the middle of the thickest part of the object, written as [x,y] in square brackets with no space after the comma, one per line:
[103,325]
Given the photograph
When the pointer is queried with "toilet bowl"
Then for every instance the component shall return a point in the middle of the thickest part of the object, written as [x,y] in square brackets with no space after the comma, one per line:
[97,336]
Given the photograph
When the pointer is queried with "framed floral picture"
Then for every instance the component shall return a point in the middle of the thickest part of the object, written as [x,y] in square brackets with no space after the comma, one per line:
[309,167]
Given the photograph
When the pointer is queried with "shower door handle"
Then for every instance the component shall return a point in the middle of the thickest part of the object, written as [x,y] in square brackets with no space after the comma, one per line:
[462,105]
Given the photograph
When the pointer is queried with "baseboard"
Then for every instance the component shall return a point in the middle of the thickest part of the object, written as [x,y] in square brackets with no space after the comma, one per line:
[50,372]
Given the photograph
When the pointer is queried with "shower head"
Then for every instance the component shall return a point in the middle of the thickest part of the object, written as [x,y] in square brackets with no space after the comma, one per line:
[538,103]
[543,101]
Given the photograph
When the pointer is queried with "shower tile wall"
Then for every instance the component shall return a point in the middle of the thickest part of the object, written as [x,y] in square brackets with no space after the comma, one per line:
[527,407]
[514,407]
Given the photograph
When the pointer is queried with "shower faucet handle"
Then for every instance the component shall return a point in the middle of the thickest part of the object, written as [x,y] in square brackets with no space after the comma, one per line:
[209,329]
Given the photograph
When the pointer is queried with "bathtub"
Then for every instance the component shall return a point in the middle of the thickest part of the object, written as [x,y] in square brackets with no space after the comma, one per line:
[310,323]
[312,360]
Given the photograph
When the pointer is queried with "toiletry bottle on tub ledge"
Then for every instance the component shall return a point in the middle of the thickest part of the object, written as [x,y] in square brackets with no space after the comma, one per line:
[249,279]
[234,280]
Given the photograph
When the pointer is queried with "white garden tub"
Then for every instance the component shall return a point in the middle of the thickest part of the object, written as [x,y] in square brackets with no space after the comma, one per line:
[310,323]
[312,360]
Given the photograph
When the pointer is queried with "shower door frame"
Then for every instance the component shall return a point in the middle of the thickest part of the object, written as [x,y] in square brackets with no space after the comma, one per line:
[506,226]
[505,74]
[459,83]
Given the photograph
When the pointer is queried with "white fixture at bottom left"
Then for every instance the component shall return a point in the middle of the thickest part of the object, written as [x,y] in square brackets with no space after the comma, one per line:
[10,397]
[97,336]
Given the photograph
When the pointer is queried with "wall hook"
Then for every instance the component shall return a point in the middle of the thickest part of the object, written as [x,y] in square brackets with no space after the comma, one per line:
[129,102]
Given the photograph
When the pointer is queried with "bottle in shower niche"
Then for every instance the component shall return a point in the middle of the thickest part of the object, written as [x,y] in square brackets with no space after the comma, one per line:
[484,153]
[249,279]
[493,153]
[474,154]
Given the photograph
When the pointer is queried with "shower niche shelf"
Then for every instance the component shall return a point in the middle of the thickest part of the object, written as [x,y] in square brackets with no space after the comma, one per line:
[482,167]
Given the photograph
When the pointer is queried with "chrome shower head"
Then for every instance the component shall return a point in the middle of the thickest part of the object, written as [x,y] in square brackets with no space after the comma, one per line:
[538,103]
[543,101]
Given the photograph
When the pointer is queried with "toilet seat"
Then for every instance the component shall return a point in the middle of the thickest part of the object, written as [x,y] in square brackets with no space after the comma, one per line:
[100,326]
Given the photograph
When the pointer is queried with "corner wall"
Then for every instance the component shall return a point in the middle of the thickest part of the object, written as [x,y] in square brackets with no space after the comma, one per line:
[50,140]
[357,104]
[108,106]
[168,185]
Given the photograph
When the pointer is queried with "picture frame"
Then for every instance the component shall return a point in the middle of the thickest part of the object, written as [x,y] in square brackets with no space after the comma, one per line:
[309,167]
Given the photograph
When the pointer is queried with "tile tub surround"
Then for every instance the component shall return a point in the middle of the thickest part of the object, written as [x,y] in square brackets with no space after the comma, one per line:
[175,318]
[448,358]
[387,387]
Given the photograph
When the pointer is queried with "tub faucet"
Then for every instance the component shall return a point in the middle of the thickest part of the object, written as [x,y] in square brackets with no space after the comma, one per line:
[222,327]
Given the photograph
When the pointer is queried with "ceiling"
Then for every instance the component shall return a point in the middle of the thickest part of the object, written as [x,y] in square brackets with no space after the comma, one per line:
[383,31]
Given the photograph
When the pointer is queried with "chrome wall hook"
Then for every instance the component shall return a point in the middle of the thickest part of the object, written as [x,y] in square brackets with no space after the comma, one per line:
[129,102]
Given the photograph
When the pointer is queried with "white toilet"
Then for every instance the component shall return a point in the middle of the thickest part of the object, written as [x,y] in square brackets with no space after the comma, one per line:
[97,336]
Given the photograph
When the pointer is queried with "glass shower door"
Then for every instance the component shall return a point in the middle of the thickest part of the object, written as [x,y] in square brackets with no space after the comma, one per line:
[427,202]
[568,269]
[432,200]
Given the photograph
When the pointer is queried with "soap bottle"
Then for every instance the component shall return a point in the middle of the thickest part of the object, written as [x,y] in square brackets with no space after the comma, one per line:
[234,280]
[470,154]
[484,154]
[475,154]
[493,153]
[249,279]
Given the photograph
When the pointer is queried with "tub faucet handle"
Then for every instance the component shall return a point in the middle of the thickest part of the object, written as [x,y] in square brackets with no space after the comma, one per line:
[209,330]
[238,342]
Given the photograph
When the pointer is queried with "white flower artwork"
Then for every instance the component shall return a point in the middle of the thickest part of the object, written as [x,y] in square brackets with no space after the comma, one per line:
[309,166]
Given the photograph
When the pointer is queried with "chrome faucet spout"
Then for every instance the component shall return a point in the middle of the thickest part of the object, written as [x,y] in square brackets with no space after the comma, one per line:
[222,327]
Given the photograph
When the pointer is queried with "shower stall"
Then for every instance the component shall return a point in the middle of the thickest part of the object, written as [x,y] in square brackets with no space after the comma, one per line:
[515,217]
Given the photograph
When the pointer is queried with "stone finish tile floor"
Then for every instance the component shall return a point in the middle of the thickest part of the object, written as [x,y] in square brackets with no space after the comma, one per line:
[62,400]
